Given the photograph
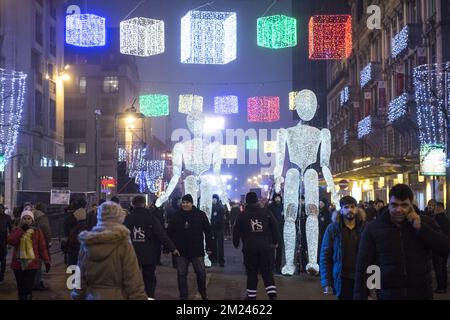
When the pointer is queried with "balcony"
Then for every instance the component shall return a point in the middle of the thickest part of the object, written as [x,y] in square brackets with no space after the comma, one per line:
[400,115]
[351,143]
[370,74]
[407,38]
[369,126]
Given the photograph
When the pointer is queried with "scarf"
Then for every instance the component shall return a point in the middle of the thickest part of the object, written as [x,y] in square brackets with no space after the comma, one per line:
[26,251]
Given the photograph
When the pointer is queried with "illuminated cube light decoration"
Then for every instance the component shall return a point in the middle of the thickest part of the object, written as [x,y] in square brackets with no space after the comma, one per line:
[277,32]
[365,127]
[330,37]
[85,30]
[213,124]
[189,102]
[208,37]
[263,109]
[142,37]
[154,105]
[226,105]
[270,146]
[292,96]
[251,144]
[229,151]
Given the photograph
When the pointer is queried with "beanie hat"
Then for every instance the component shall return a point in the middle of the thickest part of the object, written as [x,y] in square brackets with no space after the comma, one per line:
[110,212]
[215,196]
[80,214]
[251,198]
[188,198]
[277,195]
[27,213]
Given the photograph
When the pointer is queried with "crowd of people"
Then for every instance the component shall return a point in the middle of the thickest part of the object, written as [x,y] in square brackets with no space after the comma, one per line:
[118,250]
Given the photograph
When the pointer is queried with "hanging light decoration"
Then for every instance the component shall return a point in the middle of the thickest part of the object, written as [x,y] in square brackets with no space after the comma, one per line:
[263,109]
[292,97]
[142,37]
[85,30]
[345,96]
[400,42]
[226,105]
[398,108]
[366,75]
[276,32]
[365,127]
[208,37]
[154,105]
[330,37]
[229,151]
[135,156]
[190,103]
[149,178]
[270,146]
[12,95]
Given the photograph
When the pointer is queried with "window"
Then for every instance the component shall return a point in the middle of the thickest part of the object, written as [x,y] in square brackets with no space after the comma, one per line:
[52,118]
[80,148]
[75,128]
[431,6]
[38,27]
[75,103]
[75,148]
[38,114]
[110,84]
[52,42]
[69,148]
[51,71]
[107,128]
[82,85]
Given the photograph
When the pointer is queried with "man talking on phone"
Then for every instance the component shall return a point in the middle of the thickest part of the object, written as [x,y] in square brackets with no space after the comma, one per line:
[400,244]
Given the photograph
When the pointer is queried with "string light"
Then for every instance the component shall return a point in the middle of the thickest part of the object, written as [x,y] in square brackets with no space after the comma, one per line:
[85,30]
[270,146]
[154,105]
[400,42]
[208,37]
[364,127]
[366,75]
[150,175]
[276,32]
[330,37]
[190,103]
[345,136]
[263,109]
[226,105]
[229,151]
[306,104]
[12,95]
[345,96]
[398,108]
[251,144]
[292,97]
[142,37]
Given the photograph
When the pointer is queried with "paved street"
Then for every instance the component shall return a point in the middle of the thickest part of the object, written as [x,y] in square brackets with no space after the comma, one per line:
[223,283]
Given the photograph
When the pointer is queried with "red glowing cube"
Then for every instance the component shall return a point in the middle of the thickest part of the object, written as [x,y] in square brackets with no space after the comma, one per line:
[263,109]
[330,37]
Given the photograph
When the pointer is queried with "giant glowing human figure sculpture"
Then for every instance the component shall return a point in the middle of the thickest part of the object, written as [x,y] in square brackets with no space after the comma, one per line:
[198,156]
[303,143]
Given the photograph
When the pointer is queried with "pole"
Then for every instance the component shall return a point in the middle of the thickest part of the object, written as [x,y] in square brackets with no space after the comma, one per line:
[446,106]
[434,188]
[96,178]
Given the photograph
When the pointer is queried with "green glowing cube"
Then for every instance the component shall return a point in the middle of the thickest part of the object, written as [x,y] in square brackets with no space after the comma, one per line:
[277,32]
[154,105]
[252,144]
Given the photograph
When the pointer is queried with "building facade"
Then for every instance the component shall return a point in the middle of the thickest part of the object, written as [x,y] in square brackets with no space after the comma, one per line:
[372,112]
[32,38]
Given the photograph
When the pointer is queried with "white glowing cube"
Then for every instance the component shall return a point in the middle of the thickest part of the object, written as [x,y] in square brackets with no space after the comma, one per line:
[189,102]
[85,30]
[213,124]
[208,37]
[142,37]
[270,146]
[229,151]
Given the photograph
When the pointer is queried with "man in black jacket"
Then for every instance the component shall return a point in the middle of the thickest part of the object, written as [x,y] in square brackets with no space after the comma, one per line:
[276,208]
[400,244]
[258,230]
[147,234]
[217,225]
[190,230]
[440,261]
[5,228]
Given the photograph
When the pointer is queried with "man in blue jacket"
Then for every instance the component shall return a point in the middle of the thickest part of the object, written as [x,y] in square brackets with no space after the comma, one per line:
[147,234]
[339,250]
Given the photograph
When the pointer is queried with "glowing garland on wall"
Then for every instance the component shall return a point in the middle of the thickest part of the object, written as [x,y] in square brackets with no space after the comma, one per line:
[398,108]
[85,30]
[208,37]
[366,75]
[276,32]
[12,95]
[400,42]
[142,37]
[330,37]
[345,96]
[190,103]
[263,109]
[154,105]
[365,127]
[226,105]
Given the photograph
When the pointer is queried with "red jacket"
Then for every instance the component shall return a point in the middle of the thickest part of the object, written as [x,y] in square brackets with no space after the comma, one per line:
[39,248]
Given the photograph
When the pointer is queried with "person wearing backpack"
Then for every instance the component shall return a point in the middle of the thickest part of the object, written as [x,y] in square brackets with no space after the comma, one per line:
[146,234]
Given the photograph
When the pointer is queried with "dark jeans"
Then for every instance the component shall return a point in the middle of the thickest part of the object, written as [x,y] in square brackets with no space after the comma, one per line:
[440,268]
[3,254]
[198,264]
[38,276]
[25,281]
[148,273]
[217,255]
[259,262]
[347,289]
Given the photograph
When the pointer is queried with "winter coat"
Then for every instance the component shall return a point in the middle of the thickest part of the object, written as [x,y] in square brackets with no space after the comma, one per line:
[91,219]
[147,235]
[5,227]
[331,252]
[217,216]
[187,230]
[41,221]
[277,211]
[109,267]
[73,245]
[234,214]
[257,228]
[403,255]
[39,248]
